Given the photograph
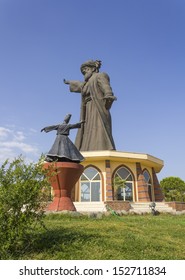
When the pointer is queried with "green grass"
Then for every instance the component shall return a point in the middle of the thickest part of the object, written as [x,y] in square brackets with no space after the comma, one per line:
[130,237]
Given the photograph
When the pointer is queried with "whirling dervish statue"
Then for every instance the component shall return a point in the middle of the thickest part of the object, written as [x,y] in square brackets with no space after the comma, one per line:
[63,150]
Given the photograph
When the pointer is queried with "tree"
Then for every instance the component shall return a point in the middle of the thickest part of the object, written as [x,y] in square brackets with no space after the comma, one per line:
[118,185]
[173,189]
[23,198]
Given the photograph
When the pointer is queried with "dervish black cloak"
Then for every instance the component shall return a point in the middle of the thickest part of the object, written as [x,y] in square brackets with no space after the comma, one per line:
[63,149]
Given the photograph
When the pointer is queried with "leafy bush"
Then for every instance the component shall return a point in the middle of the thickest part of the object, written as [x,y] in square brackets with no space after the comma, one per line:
[23,197]
[173,189]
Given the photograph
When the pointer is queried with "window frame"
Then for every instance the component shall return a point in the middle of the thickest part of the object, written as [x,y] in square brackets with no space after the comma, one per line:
[149,185]
[90,182]
[132,182]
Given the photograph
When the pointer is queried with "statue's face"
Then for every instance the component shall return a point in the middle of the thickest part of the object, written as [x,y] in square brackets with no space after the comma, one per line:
[87,72]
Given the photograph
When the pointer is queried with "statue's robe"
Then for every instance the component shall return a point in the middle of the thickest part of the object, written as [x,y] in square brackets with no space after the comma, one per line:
[96,133]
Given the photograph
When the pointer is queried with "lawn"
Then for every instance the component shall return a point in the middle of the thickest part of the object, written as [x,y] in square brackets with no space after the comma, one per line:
[130,237]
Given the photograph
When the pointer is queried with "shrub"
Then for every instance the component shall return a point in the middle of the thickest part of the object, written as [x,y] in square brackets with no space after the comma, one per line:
[173,189]
[23,197]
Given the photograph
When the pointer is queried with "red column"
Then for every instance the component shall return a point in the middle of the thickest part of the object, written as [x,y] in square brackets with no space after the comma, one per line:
[63,177]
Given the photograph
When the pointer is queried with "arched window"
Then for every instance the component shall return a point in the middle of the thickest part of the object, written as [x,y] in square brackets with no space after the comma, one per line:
[123,184]
[90,185]
[149,183]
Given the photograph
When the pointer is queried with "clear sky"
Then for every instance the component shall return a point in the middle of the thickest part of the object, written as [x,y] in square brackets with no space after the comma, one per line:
[142,47]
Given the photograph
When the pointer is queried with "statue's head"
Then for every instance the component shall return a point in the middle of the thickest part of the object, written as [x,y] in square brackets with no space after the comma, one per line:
[94,64]
[67,118]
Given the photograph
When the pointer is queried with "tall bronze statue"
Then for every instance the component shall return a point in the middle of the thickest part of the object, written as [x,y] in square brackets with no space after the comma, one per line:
[97,98]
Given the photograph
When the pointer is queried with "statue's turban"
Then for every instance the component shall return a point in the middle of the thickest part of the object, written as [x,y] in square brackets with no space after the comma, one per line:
[91,63]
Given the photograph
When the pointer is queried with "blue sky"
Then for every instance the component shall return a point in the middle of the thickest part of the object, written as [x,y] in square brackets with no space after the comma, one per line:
[142,47]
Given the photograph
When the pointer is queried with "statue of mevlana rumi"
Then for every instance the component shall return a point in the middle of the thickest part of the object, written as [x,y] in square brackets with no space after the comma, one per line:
[97,98]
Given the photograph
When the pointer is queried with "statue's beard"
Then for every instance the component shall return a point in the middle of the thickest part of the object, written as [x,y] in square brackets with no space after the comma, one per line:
[87,76]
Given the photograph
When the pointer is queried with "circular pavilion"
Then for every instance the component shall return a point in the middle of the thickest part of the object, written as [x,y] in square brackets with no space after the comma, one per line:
[120,176]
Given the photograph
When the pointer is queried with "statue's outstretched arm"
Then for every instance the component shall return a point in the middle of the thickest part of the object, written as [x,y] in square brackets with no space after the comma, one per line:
[49,128]
[77,125]
[74,86]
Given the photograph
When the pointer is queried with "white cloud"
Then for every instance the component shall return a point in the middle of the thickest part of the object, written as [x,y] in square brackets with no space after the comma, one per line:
[4,132]
[6,153]
[14,142]
[19,136]
[20,145]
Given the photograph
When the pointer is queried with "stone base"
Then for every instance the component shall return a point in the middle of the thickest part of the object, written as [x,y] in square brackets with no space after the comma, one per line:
[61,204]
[63,177]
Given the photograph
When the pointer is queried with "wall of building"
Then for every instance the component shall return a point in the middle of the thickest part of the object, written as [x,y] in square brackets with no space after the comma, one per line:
[107,168]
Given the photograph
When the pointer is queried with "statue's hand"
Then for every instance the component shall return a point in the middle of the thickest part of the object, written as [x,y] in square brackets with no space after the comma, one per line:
[66,82]
[108,101]
[110,97]
[43,129]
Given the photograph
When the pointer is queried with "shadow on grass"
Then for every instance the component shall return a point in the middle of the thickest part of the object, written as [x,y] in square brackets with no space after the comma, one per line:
[58,244]
[55,237]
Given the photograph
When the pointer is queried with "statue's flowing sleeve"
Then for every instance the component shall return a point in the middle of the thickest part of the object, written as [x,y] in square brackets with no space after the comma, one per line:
[76,86]
[50,128]
[76,125]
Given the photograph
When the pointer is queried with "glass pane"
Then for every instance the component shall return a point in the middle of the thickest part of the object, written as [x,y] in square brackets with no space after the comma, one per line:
[83,177]
[118,181]
[128,191]
[128,196]
[120,194]
[90,172]
[128,185]
[95,191]
[123,173]
[97,177]
[146,175]
[129,178]
[117,177]
[85,192]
